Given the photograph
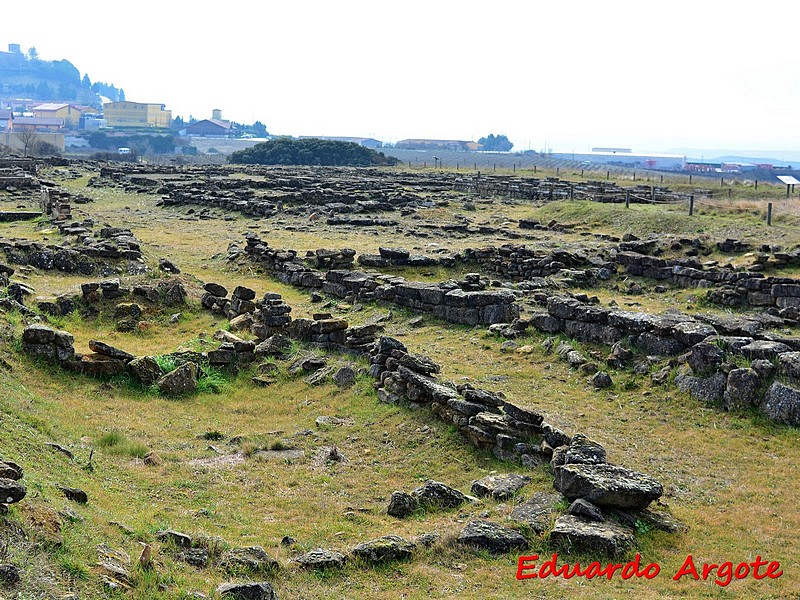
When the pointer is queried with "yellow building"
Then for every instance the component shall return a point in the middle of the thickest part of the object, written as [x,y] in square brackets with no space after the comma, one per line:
[137,114]
[70,113]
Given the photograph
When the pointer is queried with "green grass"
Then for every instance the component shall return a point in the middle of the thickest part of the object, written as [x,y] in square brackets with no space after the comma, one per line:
[117,443]
[211,380]
[166,363]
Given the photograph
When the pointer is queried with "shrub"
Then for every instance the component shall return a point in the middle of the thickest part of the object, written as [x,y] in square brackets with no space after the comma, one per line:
[286,151]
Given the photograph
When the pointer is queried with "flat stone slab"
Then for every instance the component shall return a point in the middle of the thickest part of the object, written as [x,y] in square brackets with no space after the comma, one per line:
[178,538]
[782,403]
[249,558]
[257,590]
[7,216]
[499,487]
[386,548]
[579,535]
[490,536]
[607,485]
[109,350]
[764,349]
[710,389]
[320,558]
[537,511]
[434,494]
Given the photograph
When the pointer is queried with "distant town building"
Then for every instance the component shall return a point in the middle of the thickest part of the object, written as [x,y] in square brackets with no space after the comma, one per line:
[92,122]
[452,145]
[37,124]
[6,118]
[702,167]
[70,113]
[624,157]
[612,150]
[210,128]
[738,167]
[366,142]
[127,114]
[726,167]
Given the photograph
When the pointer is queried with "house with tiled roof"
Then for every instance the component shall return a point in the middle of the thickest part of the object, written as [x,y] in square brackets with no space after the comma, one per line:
[37,124]
[210,128]
[69,113]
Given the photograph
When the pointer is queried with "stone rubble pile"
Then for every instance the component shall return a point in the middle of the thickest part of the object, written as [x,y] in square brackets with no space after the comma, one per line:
[553,188]
[727,287]
[445,300]
[271,191]
[517,262]
[241,302]
[520,434]
[400,257]
[708,343]
[109,250]
[106,361]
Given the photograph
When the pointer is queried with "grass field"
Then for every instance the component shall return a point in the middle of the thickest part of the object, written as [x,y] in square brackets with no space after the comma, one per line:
[732,478]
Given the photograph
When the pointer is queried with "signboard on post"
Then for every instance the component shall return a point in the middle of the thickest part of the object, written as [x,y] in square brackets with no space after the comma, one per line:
[790,183]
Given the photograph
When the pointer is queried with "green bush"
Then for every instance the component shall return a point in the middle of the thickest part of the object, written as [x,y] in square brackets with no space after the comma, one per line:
[312,151]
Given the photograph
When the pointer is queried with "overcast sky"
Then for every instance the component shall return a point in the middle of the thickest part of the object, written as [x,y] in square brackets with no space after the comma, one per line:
[568,75]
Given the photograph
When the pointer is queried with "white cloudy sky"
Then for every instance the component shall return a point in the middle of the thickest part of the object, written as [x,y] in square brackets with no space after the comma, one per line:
[568,74]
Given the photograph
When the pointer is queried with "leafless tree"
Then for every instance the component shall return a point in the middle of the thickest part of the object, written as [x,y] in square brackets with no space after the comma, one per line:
[27,138]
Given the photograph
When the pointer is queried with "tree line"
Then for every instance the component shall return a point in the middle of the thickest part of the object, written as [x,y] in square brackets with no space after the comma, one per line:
[29,76]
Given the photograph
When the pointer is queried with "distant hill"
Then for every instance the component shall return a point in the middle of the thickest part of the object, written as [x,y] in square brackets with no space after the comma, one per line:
[27,76]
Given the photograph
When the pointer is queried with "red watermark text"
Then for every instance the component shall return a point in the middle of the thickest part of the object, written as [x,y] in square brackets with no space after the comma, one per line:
[529,567]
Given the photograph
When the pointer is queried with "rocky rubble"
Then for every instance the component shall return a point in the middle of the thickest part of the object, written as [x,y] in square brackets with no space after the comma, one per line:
[511,432]
[707,343]
[273,191]
[108,251]
[446,300]
[107,361]
[516,262]
[400,257]
[553,188]
[727,286]
[240,303]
